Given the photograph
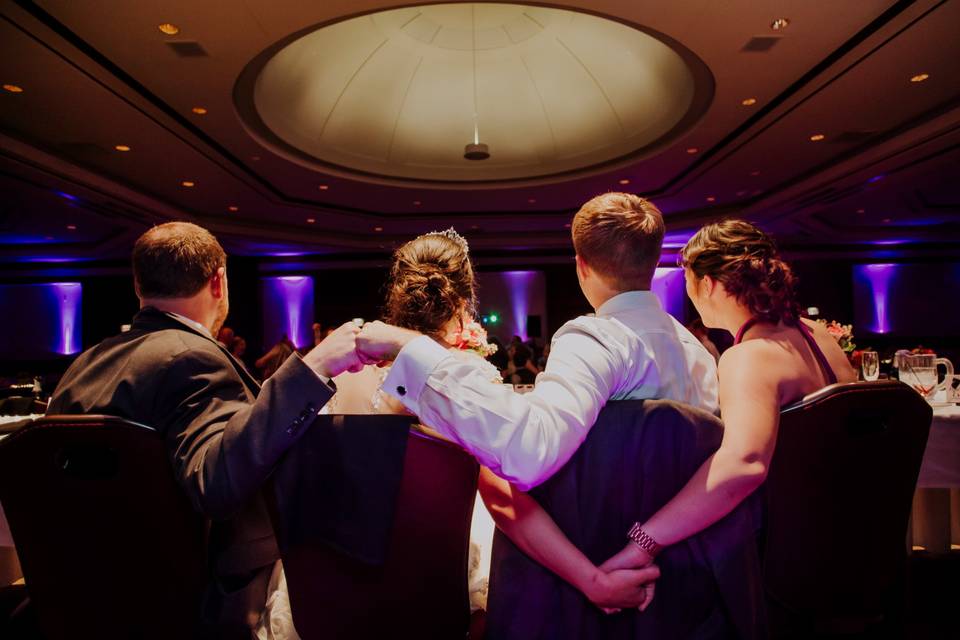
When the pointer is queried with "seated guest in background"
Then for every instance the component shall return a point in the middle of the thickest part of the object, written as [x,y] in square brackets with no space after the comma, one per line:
[631,349]
[224,434]
[520,368]
[703,335]
[239,348]
[737,282]
[272,360]
[225,336]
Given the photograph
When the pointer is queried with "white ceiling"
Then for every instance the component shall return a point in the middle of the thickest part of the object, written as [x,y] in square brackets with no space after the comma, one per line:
[398,93]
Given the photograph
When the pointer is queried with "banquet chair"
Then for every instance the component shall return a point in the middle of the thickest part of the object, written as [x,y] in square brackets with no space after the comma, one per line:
[636,457]
[373,519]
[838,497]
[108,542]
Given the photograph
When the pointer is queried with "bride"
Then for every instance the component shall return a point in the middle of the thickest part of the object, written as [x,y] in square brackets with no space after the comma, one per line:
[430,289]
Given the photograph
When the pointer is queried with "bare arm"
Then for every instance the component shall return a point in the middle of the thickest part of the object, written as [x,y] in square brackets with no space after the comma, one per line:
[750,406]
[525,522]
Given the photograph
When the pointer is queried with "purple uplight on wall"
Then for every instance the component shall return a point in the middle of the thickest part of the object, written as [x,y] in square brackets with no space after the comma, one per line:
[877,278]
[40,320]
[520,284]
[68,296]
[287,310]
[668,286]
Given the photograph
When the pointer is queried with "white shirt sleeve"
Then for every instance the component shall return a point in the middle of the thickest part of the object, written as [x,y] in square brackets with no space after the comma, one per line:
[524,438]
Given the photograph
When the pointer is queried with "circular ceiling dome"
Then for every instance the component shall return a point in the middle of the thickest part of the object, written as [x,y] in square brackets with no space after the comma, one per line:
[400,93]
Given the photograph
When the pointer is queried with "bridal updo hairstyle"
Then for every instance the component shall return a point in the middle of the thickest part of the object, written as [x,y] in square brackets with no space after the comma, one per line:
[745,260]
[430,281]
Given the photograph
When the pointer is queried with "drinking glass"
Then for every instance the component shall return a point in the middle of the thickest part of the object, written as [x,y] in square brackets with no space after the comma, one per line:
[870,364]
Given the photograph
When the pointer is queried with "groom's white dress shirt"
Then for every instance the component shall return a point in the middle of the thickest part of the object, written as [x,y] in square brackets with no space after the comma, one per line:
[630,350]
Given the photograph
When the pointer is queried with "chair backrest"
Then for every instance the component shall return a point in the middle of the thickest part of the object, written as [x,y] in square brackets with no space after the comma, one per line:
[838,497]
[418,588]
[637,456]
[109,544]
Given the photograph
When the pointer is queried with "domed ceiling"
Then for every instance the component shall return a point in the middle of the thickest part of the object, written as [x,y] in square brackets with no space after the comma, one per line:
[398,94]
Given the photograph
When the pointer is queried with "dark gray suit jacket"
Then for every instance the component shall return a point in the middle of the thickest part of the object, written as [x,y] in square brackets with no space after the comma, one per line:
[223,432]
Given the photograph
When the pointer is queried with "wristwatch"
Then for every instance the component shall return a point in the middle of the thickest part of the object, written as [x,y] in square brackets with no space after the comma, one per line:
[643,540]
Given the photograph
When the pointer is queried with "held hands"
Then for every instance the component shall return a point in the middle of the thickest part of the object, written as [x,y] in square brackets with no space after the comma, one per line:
[630,559]
[622,588]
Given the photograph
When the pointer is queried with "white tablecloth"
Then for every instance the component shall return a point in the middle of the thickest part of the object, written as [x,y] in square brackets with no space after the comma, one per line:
[941,460]
[936,503]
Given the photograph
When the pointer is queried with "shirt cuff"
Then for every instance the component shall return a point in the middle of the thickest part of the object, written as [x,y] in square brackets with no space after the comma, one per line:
[409,373]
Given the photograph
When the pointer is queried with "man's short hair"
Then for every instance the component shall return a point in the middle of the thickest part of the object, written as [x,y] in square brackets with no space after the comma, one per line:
[175,260]
[619,235]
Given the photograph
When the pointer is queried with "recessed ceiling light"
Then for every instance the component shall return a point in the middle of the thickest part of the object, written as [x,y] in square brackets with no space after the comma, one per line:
[311,220]
[531,200]
[169,29]
[861,210]
[122,147]
[199,110]
[779,24]
[755,173]
[72,227]
[692,150]
[625,181]
[13,88]
[885,220]
[817,137]
[417,203]
[323,187]
[711,199]
[566,226]
[748,102]
[233,207]
[920,77]
[187,183]
[378,228]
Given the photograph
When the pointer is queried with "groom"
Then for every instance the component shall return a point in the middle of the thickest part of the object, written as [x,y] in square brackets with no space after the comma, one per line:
[630,349]
[223,432]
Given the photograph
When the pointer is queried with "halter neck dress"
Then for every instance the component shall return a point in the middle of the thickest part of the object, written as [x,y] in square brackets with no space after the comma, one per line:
[808,337]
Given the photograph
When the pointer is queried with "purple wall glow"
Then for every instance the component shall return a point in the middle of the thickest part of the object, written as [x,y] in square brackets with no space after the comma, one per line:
[67,296]
[512,295]
[877,278]
[40,320]
[911,299]
[669,286]
[287,310]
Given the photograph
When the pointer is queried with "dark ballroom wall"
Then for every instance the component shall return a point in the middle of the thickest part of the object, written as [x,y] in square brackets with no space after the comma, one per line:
[342,294]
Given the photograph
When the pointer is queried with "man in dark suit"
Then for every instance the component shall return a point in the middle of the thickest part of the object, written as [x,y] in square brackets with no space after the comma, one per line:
[223,432]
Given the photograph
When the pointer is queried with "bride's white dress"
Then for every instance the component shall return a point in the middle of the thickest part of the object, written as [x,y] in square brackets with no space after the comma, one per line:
[361,393]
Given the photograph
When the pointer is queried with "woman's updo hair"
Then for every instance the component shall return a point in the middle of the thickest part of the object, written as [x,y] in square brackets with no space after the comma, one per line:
[745,260]
[430,282]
